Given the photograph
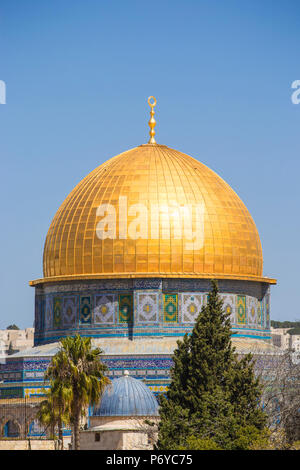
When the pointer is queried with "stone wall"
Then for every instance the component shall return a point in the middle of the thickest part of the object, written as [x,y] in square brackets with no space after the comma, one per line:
[119,433]
[25,444]
[114,440]
[109,440]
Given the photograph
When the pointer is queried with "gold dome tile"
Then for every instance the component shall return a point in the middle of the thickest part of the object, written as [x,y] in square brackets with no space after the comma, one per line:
[153,174]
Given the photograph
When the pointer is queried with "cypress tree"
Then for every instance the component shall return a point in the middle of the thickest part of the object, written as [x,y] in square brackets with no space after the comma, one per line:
[213,394]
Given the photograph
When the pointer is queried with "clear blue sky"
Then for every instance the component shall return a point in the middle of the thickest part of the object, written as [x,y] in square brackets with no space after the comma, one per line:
[78,74]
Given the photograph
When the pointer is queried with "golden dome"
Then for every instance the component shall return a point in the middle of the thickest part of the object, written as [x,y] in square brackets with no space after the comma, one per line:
[154,176]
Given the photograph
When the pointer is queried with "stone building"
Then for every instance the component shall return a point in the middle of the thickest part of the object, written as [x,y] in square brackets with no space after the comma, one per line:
[283,339]
[128,261]
[120,422]
[15,341]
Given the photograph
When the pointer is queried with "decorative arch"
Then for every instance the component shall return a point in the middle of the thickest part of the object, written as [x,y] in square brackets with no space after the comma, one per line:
[34,428]
[12,428]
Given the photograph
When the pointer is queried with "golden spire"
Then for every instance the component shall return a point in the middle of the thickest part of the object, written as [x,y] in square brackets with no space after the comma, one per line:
[152,122]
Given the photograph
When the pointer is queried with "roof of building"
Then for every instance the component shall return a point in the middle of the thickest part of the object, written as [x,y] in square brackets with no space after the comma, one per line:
[145,346]
[127,396]
[152,176]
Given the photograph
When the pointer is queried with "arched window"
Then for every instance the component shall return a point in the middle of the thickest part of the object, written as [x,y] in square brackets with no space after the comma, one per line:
[11,429]
[35,429]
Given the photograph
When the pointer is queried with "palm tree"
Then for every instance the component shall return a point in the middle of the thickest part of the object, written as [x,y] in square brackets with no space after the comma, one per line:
[54,412]
[79,372]
[47,414]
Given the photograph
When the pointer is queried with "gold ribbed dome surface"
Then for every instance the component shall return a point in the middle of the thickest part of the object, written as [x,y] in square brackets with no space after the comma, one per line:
[158,175]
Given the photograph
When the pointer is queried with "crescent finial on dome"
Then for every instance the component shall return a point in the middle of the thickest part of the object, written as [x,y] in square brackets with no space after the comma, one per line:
[152,122]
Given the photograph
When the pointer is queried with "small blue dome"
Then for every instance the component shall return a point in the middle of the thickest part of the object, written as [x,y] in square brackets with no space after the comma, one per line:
[127,396]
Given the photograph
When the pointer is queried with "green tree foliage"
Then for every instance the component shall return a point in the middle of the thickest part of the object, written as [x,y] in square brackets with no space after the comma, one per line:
[54,411]
[13,327]
[294,331]
[198,443]
[77,376]
[285,324]
[213,395]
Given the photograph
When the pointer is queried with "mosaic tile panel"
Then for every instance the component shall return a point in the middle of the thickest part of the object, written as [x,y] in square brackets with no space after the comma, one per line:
[11,393]
[267,310]
[259,313]
[37,364]
[158,389]
[48,312]
[36,429]
[57,312]
[252,310]
[125,308]
[147,283]
[262,310]
[253,289]
[38,313]
[43,308]
[191,305]
[241,309]
[31,392]
[138,363]
[104,309]
[229,305]
[85,311]
[69,311]
[170,308]
[147,307]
